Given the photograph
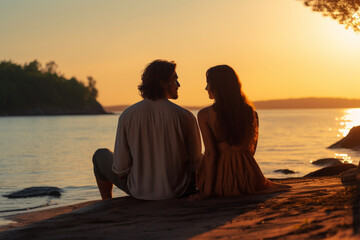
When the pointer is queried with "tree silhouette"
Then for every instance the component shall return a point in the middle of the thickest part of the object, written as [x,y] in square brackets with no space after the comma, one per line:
[31,89]
[346,12]
[51,67]
[93,92]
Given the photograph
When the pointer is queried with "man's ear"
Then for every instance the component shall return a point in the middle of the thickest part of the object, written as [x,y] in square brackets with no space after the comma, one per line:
[164,85]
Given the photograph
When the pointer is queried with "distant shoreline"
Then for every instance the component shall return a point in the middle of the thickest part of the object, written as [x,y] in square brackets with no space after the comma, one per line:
[292,103]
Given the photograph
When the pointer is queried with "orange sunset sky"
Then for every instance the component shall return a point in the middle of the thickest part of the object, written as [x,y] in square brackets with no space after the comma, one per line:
[279,48]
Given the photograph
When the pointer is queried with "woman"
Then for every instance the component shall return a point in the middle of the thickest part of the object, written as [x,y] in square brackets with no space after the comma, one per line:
[230,131]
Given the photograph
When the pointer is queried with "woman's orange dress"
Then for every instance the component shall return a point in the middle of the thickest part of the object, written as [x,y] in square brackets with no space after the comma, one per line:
[237,173]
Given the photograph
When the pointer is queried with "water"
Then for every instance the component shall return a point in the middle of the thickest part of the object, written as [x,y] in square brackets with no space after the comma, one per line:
[292,138]
[56,151]
[52,151]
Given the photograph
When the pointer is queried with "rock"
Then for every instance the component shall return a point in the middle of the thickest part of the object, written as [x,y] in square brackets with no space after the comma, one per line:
[285,171]
[36,192]
[331,170]
[352,140]
[327,162]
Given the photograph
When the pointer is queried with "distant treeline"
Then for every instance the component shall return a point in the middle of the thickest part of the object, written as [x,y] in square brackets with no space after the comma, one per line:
[308,103]
[35,90]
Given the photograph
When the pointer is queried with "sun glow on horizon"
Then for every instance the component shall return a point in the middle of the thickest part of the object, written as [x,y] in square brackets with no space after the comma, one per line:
[279,49]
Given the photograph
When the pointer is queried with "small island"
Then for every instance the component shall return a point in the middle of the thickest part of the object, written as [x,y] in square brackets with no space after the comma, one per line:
[35,90]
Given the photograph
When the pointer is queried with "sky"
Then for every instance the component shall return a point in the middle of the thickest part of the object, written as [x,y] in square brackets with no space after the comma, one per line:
[279,48]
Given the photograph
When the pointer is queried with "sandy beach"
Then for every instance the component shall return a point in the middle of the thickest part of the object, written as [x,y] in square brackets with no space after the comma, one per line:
[315,208]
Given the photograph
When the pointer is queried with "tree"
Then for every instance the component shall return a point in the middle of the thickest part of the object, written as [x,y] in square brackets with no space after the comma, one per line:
[33,66]
[51,67]
[28,88]
[346,12]
[93,92]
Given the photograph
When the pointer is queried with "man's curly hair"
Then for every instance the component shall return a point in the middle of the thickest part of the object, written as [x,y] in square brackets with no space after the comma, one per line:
[155,74]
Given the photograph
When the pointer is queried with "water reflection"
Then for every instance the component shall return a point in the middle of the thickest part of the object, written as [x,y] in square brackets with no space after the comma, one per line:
[350,119]
[343,157]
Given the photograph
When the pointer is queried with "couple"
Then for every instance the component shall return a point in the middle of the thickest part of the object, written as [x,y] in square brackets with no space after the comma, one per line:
[157,152]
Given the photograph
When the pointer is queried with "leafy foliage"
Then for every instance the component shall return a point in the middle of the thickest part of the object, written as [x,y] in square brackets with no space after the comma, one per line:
[346,12]
[32,87]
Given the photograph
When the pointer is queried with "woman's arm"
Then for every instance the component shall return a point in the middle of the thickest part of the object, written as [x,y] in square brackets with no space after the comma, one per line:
[257,133]
[209,156]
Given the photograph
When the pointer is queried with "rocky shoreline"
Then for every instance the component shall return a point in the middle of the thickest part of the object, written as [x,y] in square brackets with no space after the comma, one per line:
[314,208]
[317,206]
[94,108]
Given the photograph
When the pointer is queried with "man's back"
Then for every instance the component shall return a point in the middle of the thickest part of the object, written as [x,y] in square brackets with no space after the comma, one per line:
[156,144]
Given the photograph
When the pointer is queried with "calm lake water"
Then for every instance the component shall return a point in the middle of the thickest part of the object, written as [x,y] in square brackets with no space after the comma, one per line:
[57,151]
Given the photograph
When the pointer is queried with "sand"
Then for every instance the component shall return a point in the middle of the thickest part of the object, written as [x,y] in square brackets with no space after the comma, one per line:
[315,208]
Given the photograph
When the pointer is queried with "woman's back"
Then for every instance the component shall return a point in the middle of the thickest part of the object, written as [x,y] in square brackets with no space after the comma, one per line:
[246,145]
[236,171]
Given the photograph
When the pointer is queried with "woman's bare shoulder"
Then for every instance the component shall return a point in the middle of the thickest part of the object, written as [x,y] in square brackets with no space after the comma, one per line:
[205,112]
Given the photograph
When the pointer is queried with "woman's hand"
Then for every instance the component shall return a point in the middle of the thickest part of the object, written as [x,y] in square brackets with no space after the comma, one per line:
[198,196]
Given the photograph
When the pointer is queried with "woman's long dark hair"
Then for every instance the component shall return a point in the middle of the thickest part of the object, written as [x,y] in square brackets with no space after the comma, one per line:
[236,116]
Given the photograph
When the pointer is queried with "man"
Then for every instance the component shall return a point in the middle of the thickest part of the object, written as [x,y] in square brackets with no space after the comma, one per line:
[157,143]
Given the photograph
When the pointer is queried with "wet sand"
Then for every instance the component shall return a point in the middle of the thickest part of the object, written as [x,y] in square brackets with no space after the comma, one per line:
[315,208]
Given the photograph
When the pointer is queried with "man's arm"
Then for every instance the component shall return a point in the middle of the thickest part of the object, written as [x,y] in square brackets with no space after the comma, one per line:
[122,157]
